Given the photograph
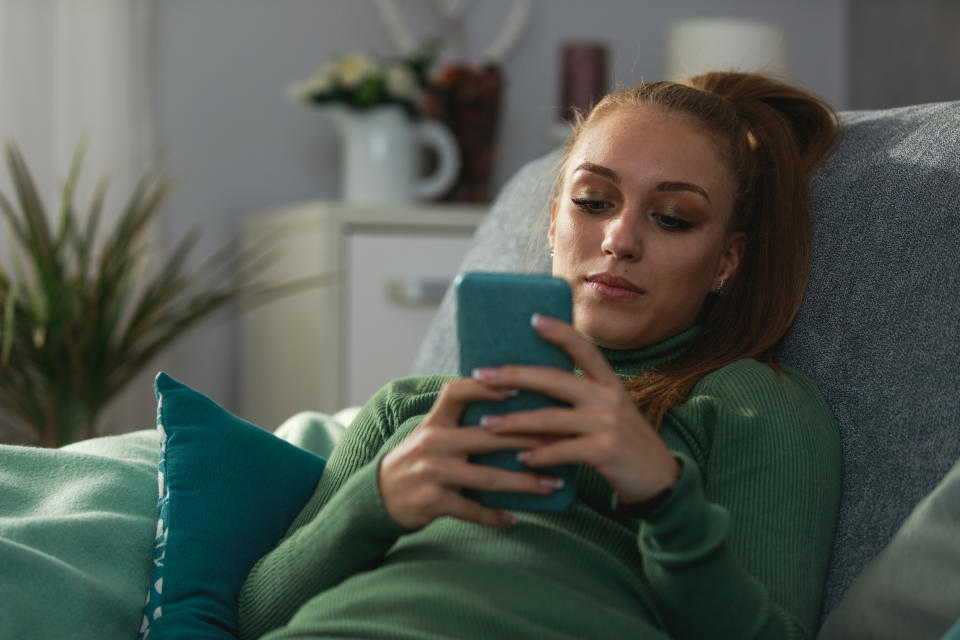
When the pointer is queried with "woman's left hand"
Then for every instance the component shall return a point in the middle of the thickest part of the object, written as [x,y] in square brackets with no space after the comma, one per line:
[601,428]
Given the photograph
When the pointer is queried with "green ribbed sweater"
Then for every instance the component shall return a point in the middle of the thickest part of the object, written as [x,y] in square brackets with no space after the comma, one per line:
[739,550]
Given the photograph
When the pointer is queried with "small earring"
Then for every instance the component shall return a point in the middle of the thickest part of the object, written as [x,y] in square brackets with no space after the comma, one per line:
[723,283]
[551,253]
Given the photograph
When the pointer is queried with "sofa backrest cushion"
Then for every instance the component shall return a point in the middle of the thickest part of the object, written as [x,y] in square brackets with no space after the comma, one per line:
[878,331]
[510,238]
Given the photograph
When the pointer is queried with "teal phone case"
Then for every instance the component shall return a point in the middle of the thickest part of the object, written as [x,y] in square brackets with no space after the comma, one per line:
[493,329]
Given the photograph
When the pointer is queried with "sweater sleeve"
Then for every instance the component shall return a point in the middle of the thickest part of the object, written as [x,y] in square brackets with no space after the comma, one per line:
[344,528]
[740,549]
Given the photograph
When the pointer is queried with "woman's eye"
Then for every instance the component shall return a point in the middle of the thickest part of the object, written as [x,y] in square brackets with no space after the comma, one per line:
[671,223]
[590,206]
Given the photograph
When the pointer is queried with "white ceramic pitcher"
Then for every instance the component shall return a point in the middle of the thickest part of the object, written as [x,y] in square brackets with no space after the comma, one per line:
[381,155]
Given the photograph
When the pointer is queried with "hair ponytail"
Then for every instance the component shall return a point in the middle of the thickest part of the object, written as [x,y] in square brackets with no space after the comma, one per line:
[776,136]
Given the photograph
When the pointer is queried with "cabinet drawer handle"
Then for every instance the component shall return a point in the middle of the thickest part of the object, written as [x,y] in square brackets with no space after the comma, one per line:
[418,292]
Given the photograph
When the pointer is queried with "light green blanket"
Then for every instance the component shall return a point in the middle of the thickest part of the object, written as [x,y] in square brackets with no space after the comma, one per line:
[78,527]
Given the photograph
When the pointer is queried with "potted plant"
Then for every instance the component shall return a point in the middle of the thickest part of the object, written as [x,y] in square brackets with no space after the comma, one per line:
[80,315]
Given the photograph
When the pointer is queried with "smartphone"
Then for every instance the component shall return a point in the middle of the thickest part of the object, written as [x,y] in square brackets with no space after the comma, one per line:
[493,329]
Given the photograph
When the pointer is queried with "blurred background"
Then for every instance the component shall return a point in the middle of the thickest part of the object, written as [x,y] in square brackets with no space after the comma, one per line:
[204,85]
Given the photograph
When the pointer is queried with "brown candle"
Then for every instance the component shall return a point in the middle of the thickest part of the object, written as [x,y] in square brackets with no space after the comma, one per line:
[584,76]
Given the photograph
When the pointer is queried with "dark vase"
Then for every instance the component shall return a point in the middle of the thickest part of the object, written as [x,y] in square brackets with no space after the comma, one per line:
[467,99]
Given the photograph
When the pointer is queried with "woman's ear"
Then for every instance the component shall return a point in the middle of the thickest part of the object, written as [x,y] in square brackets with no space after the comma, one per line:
[733,250]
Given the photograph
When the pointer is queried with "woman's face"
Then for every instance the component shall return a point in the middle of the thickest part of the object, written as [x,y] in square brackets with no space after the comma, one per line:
[639,228]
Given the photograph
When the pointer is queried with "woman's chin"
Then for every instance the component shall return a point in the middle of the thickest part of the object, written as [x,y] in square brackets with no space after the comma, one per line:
[620,340]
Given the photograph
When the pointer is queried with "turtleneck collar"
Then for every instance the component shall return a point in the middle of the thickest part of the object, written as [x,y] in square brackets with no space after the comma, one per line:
[633,362]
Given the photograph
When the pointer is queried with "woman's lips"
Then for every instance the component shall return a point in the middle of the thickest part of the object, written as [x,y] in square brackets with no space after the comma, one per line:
[611,286]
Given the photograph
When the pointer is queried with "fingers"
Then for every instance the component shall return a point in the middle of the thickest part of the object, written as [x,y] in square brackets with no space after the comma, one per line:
[551,423]
[556,383]
[472,511]
[481,477]
[464,441]
[454,397]
[435,492]
[562,385]
[446,413]
[421,479]
[582,351]
[567,451]
[485,478]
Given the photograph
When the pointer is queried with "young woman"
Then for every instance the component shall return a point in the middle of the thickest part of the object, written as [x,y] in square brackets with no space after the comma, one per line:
[708,476]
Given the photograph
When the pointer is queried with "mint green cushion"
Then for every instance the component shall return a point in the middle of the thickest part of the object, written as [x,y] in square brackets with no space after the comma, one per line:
[228,491]
[76,537]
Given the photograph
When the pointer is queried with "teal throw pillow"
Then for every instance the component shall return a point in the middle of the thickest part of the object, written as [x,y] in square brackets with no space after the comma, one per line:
[228,492]
[953,633]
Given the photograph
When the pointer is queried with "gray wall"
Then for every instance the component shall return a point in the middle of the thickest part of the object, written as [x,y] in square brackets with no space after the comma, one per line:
[226,126]
[903,52]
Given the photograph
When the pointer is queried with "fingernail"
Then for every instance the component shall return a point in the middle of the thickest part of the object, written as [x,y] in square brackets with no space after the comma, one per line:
[491,421]
[543,323]
[523,456]
[507,518]
[553,483]
[484,373]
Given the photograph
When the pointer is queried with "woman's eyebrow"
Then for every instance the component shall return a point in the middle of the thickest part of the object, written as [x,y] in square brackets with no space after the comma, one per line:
[614,177]
[683,186]
[600,170]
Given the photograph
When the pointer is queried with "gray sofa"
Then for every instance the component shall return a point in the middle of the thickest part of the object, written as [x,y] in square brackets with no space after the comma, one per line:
[879,332]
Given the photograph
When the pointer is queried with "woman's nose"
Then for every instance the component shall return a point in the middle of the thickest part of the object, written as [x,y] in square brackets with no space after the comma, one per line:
[621,237]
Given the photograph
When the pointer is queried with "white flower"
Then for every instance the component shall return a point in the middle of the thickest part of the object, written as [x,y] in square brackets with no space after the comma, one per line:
[358,80]
[356,68]
[323,80]
[298,92]
[401,82]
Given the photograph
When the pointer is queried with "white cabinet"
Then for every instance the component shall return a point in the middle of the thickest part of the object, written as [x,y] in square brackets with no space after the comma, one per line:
[334,344]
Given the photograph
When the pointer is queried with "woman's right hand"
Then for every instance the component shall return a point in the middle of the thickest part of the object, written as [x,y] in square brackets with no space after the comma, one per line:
[420,480]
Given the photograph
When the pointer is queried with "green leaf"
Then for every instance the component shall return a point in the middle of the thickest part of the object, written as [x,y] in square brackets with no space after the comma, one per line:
[94,210]
[163,290]
[36,303]
[35,216]
[66,218]
[16,227]
[9,325]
